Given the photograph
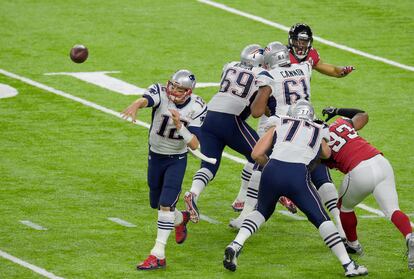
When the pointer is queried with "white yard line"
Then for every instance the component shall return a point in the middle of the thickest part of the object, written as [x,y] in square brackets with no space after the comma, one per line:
[34,268]
[117,114]
[121,222]
[33,225]
[208,219]
[319,39]
[370,209]
[375,211]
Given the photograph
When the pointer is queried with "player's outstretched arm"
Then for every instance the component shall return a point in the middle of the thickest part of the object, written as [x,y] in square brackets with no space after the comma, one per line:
[360,120]
[358,117]
[190,139]
[332,70]
[131,110]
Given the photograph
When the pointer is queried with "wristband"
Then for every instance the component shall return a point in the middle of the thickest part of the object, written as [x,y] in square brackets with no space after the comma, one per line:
[185,133]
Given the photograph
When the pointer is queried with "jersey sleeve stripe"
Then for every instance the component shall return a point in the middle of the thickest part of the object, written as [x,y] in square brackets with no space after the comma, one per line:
[150,100]
[265,73]
[204,110]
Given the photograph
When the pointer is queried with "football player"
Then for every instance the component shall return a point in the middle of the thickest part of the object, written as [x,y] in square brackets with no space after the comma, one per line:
[286,83]
[367,172]
[225,123]
[177,117]
[295,141]
[300,48]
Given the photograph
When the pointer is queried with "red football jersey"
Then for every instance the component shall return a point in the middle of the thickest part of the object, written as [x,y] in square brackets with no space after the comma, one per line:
[313,57]
[348,148]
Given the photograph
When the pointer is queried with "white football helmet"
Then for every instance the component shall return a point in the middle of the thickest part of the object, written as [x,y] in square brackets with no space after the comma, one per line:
[252,56]
[302,109]
[276,54]
[180,86]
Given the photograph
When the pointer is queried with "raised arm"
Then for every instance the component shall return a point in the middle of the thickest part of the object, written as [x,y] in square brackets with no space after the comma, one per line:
[131,110]
[358,117]
[332,70]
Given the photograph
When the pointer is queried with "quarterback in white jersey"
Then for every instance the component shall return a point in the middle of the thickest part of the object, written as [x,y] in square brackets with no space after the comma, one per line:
[177,114]
[164,137]
[296,141]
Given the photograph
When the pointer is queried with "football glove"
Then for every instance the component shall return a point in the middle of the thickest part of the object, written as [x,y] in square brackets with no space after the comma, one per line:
[346,70]
[330,112]
[319,121]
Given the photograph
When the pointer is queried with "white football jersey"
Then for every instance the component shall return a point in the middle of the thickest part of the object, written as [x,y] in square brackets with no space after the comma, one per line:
[297,140]
[288,84]
[237,87]
[163,136]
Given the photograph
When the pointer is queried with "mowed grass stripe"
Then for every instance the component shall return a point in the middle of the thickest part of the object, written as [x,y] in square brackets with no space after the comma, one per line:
[316,38]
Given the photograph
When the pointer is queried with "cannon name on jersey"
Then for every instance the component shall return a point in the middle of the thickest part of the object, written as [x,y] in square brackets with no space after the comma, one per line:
[163,136]
[288,84]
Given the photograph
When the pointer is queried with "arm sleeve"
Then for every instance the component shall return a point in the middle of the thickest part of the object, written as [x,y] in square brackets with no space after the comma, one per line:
[152,94]
[264,78]
[325,133]
[313,57]
[199,114]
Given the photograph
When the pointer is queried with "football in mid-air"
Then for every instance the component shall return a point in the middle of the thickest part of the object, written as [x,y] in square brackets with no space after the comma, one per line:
[79,53]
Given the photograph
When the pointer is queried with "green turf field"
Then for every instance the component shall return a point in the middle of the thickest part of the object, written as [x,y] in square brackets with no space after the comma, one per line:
[68,166]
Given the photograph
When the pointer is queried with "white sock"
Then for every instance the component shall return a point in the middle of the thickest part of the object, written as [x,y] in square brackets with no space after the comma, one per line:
[250,225]
[253,189]
[329,197]
[331,237]
[178,217]
[200,180]
[165,226]
[245,178]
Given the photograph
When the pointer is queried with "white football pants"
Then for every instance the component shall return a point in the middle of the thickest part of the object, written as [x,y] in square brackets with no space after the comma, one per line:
[373,176]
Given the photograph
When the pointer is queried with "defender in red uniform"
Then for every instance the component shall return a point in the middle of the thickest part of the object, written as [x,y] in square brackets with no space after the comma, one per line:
[367,172]
[300,49]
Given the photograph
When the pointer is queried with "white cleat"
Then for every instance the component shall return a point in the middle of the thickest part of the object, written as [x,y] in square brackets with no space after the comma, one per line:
[353,270]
